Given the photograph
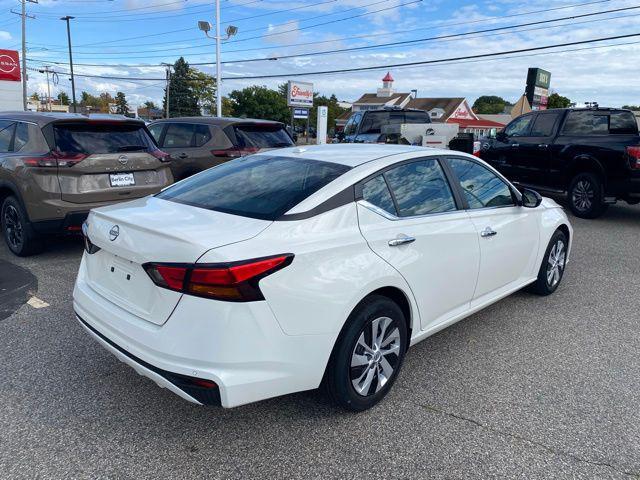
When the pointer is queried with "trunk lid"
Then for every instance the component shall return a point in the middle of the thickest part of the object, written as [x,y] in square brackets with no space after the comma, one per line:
[111,161]
[154,230]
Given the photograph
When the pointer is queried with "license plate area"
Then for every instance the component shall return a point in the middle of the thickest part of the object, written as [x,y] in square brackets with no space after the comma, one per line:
[122,179]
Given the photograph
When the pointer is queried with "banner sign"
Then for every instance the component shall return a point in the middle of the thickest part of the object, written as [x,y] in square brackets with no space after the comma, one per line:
[9,65]
[299,94]
[301,113]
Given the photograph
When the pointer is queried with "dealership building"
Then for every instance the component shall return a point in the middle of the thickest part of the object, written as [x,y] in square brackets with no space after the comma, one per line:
[441,110]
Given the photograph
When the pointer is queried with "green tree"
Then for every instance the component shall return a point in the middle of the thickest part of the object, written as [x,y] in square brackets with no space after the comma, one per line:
[333,109]
[63,98]
[260,102]
[149,105]
[631,107]
[183,98]
[204,88]
[489,105]
[558,101]
[122,107]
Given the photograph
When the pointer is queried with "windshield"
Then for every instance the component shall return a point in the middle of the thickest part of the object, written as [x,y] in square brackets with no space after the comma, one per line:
[262,136]
[101,138]
[374,121]
[256,186]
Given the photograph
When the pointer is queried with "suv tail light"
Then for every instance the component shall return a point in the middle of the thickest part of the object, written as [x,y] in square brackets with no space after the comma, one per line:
[160,155]
[234,152]
[634,156]
[232,282]
[55,159]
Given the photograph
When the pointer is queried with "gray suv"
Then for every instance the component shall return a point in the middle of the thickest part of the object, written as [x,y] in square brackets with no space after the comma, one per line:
[55,167]
[198,143]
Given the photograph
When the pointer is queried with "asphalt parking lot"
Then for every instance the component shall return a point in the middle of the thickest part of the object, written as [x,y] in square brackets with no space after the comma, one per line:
[528,388]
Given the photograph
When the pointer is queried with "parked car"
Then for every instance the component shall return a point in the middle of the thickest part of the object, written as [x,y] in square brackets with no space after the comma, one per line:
[366,126]
[198,143]
[590,155]
[55,167]
[270,273]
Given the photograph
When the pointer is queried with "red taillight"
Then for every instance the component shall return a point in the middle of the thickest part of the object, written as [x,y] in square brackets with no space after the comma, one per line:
[235,282]
[55,159]
[634,157]
[234,152]
[160,155]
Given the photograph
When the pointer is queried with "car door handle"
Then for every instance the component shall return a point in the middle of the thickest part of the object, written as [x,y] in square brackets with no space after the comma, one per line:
[488,232]
[515,145]
[543,145]
[401,240]
[182,155]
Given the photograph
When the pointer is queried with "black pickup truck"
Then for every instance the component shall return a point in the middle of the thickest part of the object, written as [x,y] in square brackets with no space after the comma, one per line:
[590,155]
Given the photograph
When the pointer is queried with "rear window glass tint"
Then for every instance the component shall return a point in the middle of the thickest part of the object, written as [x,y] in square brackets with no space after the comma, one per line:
[374,121]
[417,117]
[178,135]
[21,137]
[262,136]
[256,186]
[202,135]
[101,138]
[376,192]
[586,123]
[623,123]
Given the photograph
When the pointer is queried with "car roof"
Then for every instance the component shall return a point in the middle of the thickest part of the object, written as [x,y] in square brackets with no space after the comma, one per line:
[224,121]
[352,154]
[44,118]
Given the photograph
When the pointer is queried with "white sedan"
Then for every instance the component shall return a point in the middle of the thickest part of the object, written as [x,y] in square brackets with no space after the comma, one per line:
[285,270]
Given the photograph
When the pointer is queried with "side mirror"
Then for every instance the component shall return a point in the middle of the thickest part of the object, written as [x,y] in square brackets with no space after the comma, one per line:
[530,198]
[501,136]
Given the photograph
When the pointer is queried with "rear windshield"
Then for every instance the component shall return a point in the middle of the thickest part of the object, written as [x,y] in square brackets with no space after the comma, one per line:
[101,138]
[262,136]
[257,186]
[374,121]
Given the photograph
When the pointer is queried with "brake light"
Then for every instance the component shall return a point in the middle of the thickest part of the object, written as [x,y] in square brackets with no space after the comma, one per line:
[634,156]
[234,152]
[233,282]
[476,148]
[160,155]
[55,159]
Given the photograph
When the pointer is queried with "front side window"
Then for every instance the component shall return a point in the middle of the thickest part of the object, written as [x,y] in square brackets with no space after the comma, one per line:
[420,188]
[519,127]
[6,134]
[156,131]
[543,126]
[376,192]
[352,125]
[586,123]
[178,135]
[257,186]
[482,188]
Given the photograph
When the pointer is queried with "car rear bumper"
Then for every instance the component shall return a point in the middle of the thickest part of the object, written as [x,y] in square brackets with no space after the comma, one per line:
[238,346]
[72,222]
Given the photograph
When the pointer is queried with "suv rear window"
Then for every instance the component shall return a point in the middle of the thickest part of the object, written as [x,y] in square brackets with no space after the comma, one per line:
[92,138]
[262,136]
[374,121]
[257,186]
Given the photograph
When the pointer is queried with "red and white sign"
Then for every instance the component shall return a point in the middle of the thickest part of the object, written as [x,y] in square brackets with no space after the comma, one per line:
[463,112]
[300,94]
[9,65]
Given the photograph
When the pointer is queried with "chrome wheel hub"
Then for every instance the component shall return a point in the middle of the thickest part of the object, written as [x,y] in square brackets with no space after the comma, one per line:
[583,194]
[13,227]
[555,263]
[375,356]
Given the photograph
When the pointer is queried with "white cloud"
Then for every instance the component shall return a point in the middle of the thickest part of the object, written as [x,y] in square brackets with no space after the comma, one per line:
[5,35]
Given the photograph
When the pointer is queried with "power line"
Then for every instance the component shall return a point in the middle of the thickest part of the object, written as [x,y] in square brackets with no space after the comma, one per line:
[396,65]
[475,34]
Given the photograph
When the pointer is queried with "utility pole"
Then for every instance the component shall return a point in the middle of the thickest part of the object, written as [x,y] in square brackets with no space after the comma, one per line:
[46,70]
[168,77]
[23,18]
[73,83]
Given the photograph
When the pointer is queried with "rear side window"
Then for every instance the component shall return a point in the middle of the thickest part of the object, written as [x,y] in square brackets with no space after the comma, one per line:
[92,138]
[586,123]
[262,136]
[376,192]
[201,135]
[621,123]
[22,136]
[6,134]
[482,188]
[420,188]
[178,135]
[543,125]
[417,117]
[374,121]
[256,186]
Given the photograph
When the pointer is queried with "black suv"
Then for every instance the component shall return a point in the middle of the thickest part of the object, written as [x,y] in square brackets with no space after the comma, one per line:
[590,155]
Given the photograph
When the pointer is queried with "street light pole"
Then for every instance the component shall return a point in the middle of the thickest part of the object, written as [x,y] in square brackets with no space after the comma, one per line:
[73,84]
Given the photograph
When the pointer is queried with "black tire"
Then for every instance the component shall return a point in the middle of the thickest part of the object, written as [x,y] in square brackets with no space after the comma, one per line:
[586,196]
[340,374]
[546,285]
[17,230]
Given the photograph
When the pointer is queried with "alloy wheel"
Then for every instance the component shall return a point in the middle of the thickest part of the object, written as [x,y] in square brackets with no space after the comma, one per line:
[583,195]
[555,263]
[13,227]
[375,356]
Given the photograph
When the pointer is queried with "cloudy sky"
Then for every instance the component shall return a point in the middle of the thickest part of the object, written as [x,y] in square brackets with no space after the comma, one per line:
[129,39]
